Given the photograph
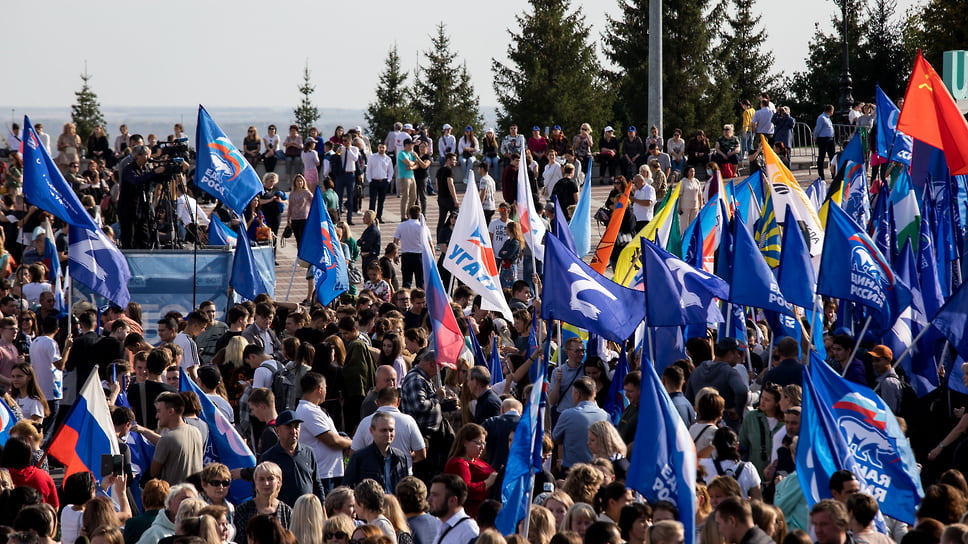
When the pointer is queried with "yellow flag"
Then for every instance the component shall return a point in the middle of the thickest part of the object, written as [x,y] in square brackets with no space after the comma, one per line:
[789,197]
[657,230]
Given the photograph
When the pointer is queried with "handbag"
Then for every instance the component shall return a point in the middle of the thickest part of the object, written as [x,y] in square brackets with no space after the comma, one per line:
[292,151]
[287,233]
[263,234]
[354,274]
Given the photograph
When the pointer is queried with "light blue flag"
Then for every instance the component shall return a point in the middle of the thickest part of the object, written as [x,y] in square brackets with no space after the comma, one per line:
[581,220]
[576,294]
[562,230]
[665,470]
[7,421]
[225,445]
[919,365]
[890,142]
[524,457]
[46,188]
[219,234]
[952,320]
[758,288]
[615,402]
[669,346]
[221,169]
[99,265]
[246,279]
[795,275]
[928,269]
[956,378]
[849,427]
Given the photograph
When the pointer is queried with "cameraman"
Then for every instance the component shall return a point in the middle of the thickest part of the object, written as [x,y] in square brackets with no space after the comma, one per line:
[134,204]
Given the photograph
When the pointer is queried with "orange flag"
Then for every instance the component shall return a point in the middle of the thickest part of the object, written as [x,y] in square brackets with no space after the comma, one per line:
[604,250]
[931,115]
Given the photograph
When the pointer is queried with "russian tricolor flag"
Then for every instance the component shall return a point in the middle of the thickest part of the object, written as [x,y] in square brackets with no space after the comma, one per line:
[87,432]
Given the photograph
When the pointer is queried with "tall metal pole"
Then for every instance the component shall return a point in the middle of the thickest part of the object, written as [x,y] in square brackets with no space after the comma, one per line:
[846,98]
[655,64]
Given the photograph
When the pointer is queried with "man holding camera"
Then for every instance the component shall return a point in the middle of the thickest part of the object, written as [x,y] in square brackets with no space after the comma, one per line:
[134,202]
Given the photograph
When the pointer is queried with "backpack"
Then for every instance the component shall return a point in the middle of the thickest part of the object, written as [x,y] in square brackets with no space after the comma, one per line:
[245,412]
[335,165]
[285,385]
[732,473]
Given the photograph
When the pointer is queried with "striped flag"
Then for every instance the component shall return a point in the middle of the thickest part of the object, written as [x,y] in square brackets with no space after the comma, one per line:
[768,237]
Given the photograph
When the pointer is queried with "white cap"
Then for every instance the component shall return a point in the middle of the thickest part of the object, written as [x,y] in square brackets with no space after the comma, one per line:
[447,126]
[489,129]
[408,126]
[609,129]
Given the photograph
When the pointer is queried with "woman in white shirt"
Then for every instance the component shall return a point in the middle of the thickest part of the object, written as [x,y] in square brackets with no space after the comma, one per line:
[271,143]
[468,150]
[726,462]
[27,393]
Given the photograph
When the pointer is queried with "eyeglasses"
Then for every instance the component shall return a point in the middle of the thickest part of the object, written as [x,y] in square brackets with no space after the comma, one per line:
[219,483]
[358,541]
[335,534]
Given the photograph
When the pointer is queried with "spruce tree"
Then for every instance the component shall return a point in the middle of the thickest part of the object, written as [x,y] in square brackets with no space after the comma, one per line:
[393,99]
[744,59]
[553,75]
[689,96]
[306,113]
[443,92]
[86,113]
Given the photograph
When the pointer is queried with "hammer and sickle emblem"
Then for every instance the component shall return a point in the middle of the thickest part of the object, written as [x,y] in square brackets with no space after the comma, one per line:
[925,85]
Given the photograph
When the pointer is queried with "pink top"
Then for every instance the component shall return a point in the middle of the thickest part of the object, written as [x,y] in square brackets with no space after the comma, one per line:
[299,204]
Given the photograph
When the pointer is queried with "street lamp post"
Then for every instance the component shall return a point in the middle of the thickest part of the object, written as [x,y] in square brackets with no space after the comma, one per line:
[846,99]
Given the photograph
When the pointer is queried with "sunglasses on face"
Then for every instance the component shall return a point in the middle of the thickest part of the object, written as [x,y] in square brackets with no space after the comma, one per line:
[337,534]
[219,483]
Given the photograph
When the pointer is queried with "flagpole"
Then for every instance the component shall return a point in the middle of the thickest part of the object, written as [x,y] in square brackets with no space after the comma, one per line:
[910,348]
[292,276]
[863,331]
[769,354]
[648,332]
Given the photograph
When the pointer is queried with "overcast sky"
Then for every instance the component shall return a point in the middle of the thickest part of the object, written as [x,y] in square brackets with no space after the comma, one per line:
[244,53]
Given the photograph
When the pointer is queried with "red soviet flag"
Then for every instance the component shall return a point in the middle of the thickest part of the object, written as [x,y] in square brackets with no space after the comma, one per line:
[931,115]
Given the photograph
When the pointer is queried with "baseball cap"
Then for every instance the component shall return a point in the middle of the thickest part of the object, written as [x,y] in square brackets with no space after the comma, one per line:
[729,344]
[609,129]
[408,126]
[882,351]
[39,231]
[468,127]
[632,128]
[447,126]
[287,418]
[536,127]
[489,129]
[556,127]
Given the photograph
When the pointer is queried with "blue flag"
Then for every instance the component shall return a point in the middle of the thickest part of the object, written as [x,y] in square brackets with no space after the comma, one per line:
[865,278]
[221,170]
[494,363]
[246,279]
[665,469]
[891,144]
[524,458]
[669,346]
[928,269]
[562,230]
[615,402]
[849,427]
[52,260]
[795,275]
[735,318]
[952,320]
[919,365]
[576,294]
[99,265]
[321,248]
[758,288]
[46,188]
[695,290]
[581,220]
[225,445]
[219,234]
[142,452]
[857,197]
[479,357]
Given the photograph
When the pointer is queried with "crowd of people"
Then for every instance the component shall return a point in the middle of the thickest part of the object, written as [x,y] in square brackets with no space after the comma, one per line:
[360,435]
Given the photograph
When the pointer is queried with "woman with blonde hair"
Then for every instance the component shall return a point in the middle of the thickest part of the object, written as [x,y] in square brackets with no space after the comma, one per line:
[542,526]
[578,518]
[394,512]
[268,482]
[338,529]
[68,146]
[300,201]
[308,519]
[558,503]
[604,441]
[252,146]
[582,144]
[582,483]
[665,532]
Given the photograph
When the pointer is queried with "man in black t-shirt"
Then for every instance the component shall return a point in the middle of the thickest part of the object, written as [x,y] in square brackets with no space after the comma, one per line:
[446,194]
[566,190]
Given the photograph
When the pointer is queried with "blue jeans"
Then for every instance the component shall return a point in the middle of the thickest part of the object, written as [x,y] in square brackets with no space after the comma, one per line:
[492,163]
[677,166]
[466,165]
[746,144]
[346,182]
